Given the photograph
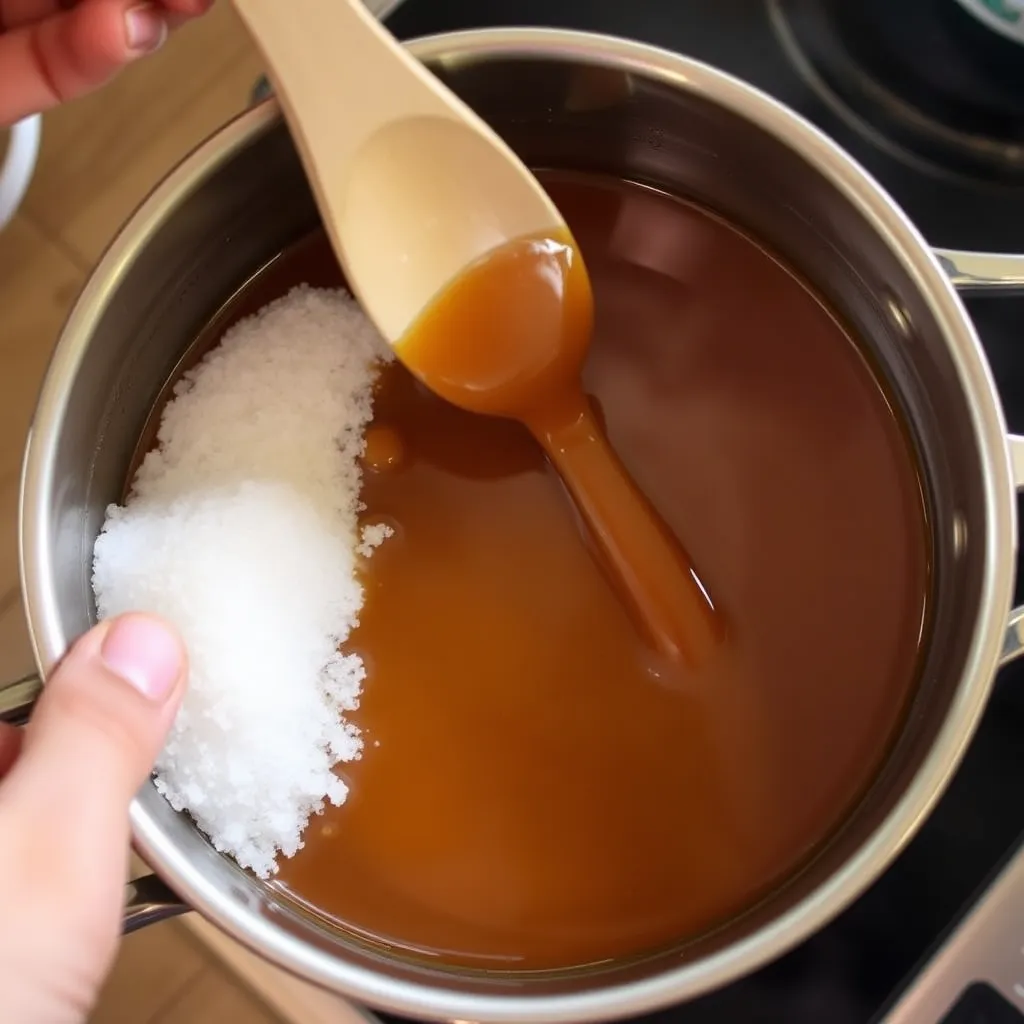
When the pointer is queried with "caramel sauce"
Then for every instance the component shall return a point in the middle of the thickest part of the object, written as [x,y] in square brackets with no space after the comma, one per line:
[508,337]
[538,788]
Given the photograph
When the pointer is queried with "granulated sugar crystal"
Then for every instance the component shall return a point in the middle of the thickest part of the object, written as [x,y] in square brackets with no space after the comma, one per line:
[241,528]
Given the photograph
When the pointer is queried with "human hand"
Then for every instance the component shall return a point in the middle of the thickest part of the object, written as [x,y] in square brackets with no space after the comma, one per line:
[57,50]
[65,786]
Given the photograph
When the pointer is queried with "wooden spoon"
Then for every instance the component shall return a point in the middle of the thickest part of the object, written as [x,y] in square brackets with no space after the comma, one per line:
[466,267]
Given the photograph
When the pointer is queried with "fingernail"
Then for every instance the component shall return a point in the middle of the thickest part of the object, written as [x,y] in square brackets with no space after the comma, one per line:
[145,28]
[145,653]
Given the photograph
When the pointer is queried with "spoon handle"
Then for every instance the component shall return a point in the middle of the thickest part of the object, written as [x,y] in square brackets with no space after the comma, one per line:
[644,557]
[340,77]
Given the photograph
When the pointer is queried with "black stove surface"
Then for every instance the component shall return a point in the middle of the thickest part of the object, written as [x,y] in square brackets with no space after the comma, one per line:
[848,972]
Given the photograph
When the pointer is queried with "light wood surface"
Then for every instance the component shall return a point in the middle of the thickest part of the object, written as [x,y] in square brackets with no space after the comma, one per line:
[102,155]
[38,280]
[164,976]
[99,159]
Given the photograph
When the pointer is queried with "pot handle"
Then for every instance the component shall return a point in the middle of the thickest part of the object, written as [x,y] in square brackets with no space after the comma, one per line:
[1013,643]
[996,274]
[147,899]
[17,698]
[983,273]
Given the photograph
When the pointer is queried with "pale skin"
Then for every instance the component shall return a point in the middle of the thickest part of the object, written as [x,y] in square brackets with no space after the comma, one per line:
[67,780]
[52,51]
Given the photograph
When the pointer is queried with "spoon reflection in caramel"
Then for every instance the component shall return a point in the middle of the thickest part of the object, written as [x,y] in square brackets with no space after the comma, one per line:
[508,337]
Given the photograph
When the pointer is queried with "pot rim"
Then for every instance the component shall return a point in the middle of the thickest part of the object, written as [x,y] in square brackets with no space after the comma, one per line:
[688,979]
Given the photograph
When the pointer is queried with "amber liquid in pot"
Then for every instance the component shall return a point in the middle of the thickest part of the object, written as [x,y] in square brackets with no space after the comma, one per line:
[538,788]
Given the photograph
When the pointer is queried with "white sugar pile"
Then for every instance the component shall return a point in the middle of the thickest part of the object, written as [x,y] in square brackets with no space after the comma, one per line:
[242,530]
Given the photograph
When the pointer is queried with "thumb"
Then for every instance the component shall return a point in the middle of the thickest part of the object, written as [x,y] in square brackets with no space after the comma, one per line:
[94,735]
[101,720]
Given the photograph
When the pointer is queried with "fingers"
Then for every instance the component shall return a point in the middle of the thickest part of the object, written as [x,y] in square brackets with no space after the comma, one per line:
[18,13]
[67,53]
[94,735]
[15,13]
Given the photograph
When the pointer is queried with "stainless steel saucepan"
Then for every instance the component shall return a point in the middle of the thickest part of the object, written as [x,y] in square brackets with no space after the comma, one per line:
[588,103]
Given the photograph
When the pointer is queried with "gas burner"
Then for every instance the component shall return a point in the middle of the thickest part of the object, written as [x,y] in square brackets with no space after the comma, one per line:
[926,81]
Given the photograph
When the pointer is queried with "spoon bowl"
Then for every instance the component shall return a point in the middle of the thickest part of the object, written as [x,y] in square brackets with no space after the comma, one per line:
[412,185]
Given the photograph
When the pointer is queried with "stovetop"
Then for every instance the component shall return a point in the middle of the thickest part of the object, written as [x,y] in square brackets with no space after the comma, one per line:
[852,970]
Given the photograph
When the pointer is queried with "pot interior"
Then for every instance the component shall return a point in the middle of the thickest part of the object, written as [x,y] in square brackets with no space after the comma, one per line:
[245,199]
